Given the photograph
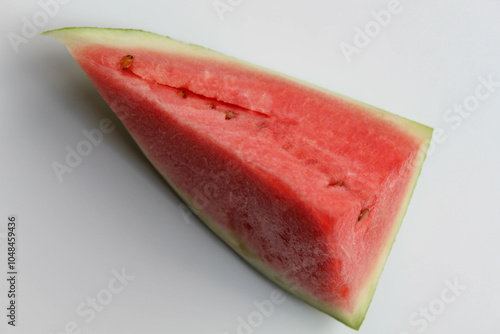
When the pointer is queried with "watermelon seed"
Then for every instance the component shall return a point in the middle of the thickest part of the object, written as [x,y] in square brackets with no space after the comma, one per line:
[336,184]
[126,61]
[229,114]
[363,214]
[182,93]
[212,105]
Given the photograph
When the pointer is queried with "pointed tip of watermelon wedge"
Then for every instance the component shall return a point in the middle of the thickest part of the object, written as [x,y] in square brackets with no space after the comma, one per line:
[77,38]
[119,37]
[74,36]
[94,32]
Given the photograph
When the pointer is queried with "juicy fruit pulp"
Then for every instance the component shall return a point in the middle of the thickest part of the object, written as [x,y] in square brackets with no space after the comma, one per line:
[308,186]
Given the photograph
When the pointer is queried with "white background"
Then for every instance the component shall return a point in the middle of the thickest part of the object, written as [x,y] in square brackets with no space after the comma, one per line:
[114,212]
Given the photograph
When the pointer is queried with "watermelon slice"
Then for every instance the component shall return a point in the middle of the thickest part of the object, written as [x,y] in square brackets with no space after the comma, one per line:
[308,186]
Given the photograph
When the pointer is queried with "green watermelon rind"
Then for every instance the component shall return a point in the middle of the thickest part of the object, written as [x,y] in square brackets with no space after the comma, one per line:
[74,35]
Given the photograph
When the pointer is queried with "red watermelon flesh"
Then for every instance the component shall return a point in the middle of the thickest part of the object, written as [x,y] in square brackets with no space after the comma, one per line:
[308,186]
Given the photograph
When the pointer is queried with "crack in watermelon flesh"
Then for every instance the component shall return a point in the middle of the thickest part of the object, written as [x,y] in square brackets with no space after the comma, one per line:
[308,186]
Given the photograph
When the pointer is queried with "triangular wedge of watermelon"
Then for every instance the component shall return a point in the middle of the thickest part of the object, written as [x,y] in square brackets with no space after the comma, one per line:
[308,186]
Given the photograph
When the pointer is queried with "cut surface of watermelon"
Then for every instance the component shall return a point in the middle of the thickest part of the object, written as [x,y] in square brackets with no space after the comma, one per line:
[308,186]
